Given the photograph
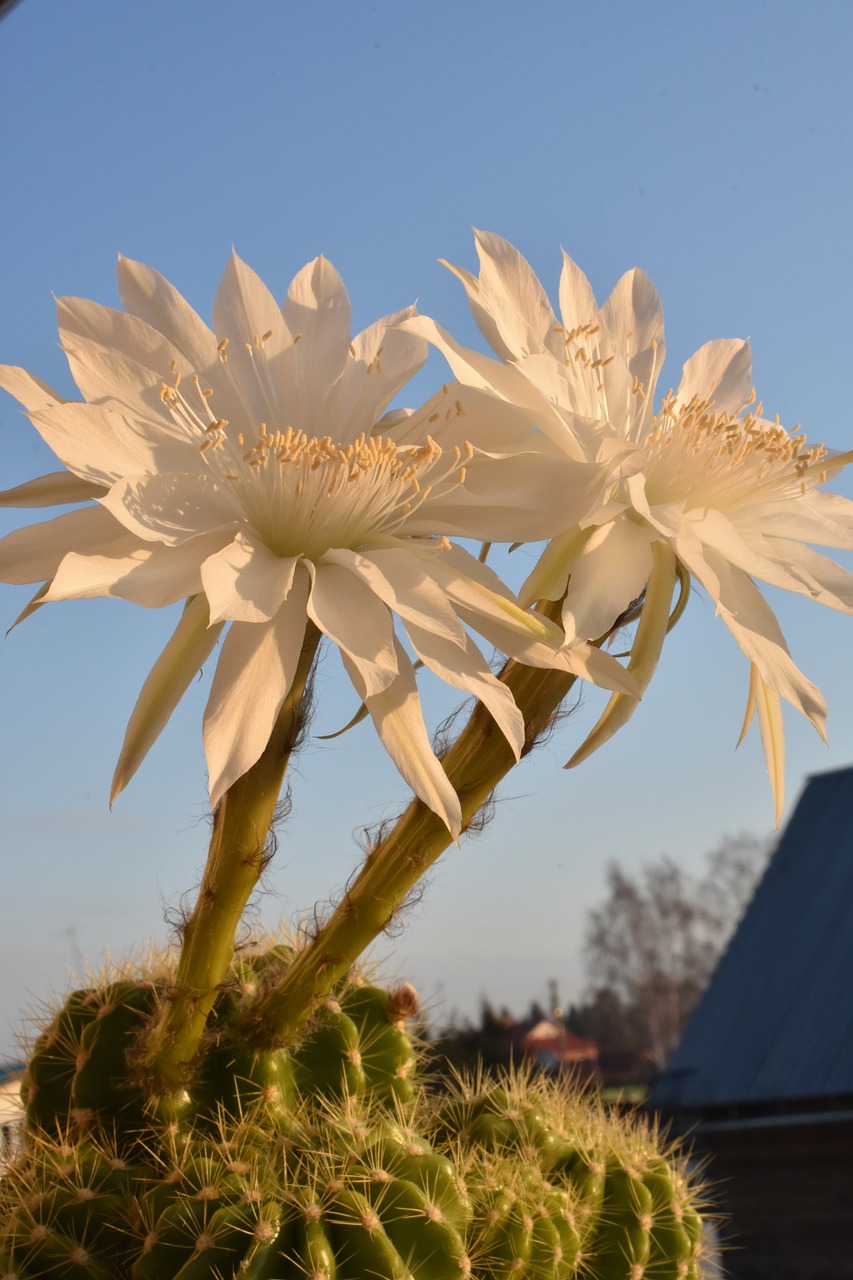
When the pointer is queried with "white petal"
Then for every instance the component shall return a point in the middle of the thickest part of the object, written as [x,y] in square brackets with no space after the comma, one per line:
[503,380]
[100,444]
[549,579]
[645,652]
[248,316]
[171,507]
[824,518]
[769,710]
[481,598]
[720,371]
[634,318]
[347,611]
[245,581]
[148,576]
[403,582]
[459,415]
[780,562]
[59,488]
[34,553]
[483,317]
[610,572]
[524,498]
[396,713]
[753,624]
[147,294]
[254,672]
[116,357]
[577,300]
[513,296]
[31,392]
[380,361]
[318,314]
[168,681]
[467,669]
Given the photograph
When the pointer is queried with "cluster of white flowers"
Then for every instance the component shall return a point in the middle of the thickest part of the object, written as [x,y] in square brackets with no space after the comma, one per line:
[252,471]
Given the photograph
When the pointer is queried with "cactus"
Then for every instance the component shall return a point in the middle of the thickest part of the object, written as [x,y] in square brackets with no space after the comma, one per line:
[81,1075]
[285,1163]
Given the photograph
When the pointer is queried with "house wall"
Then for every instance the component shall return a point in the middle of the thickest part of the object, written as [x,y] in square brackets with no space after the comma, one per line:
[787,1190]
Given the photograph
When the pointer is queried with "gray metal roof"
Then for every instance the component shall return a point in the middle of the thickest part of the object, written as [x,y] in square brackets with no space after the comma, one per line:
[776,1022]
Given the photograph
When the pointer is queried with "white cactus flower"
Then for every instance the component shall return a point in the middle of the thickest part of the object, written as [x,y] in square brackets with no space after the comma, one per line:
[706,486]
[247,471]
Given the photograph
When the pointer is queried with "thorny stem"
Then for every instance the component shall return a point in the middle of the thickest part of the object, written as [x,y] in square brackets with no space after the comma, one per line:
[475,764]
[235,860]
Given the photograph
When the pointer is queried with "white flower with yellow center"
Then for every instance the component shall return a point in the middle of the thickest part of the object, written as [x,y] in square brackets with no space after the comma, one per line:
[707,487]
[248,472]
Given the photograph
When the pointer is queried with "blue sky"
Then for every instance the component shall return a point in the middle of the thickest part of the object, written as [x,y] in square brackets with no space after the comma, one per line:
[707,143]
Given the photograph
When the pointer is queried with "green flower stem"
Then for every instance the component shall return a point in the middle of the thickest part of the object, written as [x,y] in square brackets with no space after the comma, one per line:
[475,764]
[235,861]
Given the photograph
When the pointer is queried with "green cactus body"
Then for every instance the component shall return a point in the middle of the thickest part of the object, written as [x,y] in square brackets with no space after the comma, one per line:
[173,1240]
[676,1229]
[79,1078]
[561,1209]
[328,1062]
[386,1050]
[233,1235]
[46,1092]
[362,1246]
[585,1173]
[434,1176]
[320,1161]
[620,1246]
[503,1251]
[235,1080]
[497,1121]
[427,1244]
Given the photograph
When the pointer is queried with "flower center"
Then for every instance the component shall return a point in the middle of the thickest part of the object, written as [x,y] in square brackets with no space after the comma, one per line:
[305,494]
[707,458]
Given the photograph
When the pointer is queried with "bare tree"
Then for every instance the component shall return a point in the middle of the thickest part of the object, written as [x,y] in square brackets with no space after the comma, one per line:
[655,941]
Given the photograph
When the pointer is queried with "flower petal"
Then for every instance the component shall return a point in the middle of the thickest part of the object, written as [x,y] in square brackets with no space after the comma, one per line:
[317,312]
[150,296]
[57,489]
[479,595]
[504,381]
[766,704]
[607,576]
[347,611]
[720,371]
[754,626]
[396,714]
[101,445]
[634,318]
[151,576]
[171,507]
[34,553]
[402,581]
[381,359]
[260,343]
[31,392]
[467,669]
[178,665]
[255,670]
[645,652]
[245,581]
[513,296]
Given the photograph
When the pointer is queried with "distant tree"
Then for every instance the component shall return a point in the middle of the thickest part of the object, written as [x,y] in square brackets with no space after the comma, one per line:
[652,946]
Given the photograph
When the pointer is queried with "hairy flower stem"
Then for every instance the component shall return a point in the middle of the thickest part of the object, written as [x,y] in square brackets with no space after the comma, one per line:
[235,860]
[475,764]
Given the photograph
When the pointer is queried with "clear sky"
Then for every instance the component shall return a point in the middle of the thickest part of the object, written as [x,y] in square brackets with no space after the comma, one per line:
[708,143]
